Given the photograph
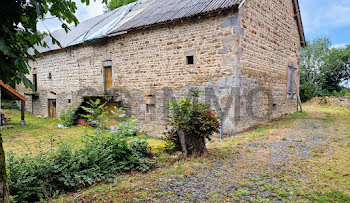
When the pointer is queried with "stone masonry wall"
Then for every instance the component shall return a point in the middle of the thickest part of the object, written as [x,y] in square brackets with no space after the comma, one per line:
[147,65]
[234,53]
[270,39]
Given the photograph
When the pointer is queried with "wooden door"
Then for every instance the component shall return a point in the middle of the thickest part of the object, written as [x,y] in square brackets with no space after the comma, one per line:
[52,108]
[108,78]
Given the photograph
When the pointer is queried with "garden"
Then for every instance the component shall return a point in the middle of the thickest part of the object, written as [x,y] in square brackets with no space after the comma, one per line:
[49,157]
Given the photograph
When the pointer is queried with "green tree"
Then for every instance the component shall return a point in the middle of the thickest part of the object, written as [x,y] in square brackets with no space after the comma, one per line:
[113,4]
[335,69]
[19,37]
[323,69]
[312,57]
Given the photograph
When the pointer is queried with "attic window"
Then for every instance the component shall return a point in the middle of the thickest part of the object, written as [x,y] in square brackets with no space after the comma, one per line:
[189,60]
[50,76]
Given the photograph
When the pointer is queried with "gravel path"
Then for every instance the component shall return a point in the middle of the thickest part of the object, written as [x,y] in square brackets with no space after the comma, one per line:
[262,169]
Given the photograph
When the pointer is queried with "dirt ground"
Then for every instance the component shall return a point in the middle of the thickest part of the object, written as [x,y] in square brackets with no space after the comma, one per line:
[303,158]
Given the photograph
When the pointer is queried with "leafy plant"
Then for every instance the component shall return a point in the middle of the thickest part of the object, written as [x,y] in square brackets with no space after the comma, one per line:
[94,113]
[68,169]
[193,117]
[8,104]
[126,126]
[68,116]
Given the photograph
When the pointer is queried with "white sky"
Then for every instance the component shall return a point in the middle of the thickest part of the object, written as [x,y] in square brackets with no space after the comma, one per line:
[83,13]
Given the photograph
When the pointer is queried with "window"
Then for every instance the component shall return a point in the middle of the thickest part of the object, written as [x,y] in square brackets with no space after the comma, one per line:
[150,114]
[50,76]
[291,86]
[108,78]
[69,101]
[189,60]
[35,82]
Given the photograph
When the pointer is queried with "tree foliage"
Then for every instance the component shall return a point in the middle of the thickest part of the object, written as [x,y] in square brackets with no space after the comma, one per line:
[323,69]
[19,37]
[19,34]
[113,4]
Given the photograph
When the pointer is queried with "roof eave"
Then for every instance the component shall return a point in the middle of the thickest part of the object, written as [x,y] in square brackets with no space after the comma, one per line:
[297,16]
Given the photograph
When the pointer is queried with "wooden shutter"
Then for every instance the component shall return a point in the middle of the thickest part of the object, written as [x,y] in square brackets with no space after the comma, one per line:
[291,86]
[108,78]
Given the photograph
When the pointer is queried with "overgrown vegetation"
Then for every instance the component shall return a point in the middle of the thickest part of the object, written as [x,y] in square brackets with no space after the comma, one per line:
[125,126]
[191,122]
[323,70]
[68,116]
[66,168]
[321,178]
[9,104]
[94,113]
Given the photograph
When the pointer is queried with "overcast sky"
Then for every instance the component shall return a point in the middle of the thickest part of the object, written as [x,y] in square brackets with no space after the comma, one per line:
[321,18]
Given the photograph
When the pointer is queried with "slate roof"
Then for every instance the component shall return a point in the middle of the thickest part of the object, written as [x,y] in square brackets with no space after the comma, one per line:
[134,15]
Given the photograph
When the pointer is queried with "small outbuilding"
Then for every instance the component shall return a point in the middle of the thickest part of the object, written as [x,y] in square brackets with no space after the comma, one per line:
[7,92]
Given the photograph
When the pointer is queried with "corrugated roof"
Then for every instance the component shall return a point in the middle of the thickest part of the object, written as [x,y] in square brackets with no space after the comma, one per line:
[158,11]
[134,15]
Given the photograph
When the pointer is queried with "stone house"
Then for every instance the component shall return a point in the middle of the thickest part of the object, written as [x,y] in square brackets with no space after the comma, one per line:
[242,54]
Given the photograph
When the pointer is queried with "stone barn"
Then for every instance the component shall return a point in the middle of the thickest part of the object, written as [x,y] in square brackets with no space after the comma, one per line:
[242,54]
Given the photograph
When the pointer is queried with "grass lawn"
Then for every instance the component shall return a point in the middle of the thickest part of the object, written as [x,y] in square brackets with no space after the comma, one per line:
[304,157]
[321,176]
[39,133]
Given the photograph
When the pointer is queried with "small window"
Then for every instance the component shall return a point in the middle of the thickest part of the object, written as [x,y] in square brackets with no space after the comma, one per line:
[150,114]
[69,101]
[35,82]
[50,76]
[189,60]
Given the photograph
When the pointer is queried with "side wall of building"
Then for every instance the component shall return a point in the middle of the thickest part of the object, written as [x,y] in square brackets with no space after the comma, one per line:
[270,40]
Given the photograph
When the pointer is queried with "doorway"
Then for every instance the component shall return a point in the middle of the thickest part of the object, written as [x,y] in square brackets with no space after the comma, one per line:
[52,108]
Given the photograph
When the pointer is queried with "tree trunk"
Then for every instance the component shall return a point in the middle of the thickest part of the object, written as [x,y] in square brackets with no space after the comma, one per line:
[4,192]
[191,145]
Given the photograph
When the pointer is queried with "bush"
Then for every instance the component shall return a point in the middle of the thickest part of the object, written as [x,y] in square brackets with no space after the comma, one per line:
[32,178]
[69,116]
[193,118]
[9,104]
[344,92]
[126,126]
